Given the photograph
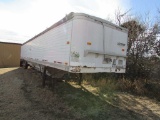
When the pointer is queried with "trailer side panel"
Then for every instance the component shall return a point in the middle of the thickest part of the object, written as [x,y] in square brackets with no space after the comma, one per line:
[51,47]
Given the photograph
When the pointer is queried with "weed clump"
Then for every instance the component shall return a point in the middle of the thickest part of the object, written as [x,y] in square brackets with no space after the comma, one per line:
[108,85]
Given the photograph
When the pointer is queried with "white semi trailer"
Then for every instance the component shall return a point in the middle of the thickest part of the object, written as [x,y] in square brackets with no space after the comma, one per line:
[79,43]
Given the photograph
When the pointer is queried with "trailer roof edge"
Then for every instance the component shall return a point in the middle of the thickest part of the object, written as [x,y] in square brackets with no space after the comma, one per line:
[69,17]
[99,19]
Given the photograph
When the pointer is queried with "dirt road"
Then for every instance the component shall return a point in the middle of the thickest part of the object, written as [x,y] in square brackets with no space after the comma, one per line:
[23,98]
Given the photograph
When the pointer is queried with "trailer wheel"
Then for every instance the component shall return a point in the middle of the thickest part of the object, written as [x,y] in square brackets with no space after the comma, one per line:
[44,76]
[21,63]
[25,65]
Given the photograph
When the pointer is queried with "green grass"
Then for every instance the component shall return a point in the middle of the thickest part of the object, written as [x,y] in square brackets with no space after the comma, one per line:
[86,105]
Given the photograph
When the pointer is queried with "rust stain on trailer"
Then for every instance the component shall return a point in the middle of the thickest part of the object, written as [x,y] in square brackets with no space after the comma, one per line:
[68,42]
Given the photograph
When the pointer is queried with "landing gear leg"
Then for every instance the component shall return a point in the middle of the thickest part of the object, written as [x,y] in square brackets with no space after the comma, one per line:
[44,76]
[80,79]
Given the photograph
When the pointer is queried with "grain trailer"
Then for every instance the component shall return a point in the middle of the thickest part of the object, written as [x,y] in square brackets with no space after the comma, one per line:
[78,43]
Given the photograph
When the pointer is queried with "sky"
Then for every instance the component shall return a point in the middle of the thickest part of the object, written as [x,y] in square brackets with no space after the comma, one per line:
[21,20]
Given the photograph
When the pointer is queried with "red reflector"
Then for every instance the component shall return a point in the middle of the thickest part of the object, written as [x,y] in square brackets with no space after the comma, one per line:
[122,49]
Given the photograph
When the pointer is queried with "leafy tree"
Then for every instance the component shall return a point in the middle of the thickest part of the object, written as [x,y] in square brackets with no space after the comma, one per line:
[141,43]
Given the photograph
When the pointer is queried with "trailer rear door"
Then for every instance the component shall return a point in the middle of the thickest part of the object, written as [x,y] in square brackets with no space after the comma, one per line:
[115,41]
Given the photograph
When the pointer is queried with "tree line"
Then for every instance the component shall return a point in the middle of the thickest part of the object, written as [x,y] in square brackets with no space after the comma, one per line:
[143,53]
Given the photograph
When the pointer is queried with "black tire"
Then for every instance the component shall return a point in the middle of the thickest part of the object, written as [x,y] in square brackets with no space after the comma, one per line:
[21,63]
[25,65]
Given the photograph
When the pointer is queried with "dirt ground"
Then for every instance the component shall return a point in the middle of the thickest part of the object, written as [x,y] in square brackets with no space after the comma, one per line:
[23,98]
